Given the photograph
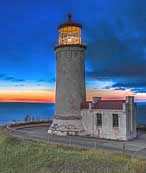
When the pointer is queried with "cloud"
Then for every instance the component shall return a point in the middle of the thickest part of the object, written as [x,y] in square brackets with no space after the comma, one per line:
[139,90]
[111,56]
[116,47]
[21,85]
[40,80]
[10,78]
[131,83]
[120,88]
[48,80]
[135,85]
[2,75]
[13,79]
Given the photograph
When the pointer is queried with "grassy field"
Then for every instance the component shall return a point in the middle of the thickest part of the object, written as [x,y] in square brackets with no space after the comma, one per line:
[18,156]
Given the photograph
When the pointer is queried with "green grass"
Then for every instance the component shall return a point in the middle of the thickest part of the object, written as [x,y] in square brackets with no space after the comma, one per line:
[17,156]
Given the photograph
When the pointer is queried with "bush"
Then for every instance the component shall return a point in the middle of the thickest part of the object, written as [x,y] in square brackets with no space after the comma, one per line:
[27,118]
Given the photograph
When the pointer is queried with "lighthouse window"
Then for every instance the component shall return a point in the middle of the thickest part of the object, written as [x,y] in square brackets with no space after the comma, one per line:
[99,119]
[115,120]
[70,35]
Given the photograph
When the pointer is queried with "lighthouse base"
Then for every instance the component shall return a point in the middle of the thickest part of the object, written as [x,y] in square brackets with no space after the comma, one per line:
[66,126]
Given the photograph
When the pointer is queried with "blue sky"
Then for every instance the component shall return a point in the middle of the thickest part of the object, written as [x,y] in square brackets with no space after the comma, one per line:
[114,31]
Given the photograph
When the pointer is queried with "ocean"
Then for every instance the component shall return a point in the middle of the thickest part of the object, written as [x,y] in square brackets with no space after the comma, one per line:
[12,112]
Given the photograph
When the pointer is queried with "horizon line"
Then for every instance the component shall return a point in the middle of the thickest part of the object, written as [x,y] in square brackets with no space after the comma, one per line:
[45,102]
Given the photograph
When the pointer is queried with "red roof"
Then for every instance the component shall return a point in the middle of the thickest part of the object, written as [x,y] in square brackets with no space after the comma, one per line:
[104,104]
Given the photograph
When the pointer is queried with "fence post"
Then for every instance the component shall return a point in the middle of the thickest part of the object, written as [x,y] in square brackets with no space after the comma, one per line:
[124,148]
[70,141]
[48,139]
[95,144]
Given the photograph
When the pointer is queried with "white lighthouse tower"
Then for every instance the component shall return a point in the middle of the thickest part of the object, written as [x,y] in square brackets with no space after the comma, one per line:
[70,82]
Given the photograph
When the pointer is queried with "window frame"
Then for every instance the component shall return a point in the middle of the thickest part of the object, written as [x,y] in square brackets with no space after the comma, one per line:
[98,123]
[115,118]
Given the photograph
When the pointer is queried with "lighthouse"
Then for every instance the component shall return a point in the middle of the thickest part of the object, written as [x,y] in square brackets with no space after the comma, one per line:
[70,79]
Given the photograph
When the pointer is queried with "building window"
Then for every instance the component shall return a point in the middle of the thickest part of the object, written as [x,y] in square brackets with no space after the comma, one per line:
[115,120]
[99,119]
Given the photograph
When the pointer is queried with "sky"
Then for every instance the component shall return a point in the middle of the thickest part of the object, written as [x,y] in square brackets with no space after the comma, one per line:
[115,59]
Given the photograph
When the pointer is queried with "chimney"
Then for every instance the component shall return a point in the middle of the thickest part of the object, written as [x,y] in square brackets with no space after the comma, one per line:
[96,99]
[90,106]
[130,99]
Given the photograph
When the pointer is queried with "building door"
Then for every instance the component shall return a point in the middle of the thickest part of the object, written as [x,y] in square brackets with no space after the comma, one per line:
[98,133]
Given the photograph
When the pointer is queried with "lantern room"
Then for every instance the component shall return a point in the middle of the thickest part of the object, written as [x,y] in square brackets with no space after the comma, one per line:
[70,32]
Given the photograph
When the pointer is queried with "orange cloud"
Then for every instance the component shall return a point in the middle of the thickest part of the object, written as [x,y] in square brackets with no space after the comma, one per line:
[27,96]
[48,96]
[115,94]
[108,94]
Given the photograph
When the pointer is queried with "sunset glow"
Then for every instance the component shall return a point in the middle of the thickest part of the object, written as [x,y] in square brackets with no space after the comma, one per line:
[48,96]
[27,96]
[115,58]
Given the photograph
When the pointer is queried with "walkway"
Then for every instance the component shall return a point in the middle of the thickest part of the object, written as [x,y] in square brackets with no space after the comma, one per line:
[135,148]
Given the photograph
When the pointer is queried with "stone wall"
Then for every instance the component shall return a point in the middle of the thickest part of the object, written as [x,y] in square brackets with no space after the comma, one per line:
[70,84]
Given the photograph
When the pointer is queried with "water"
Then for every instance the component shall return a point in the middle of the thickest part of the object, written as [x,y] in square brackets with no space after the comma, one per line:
[10,112]
[141,113]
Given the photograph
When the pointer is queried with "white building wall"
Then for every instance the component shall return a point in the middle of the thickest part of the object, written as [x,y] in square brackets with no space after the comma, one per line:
[107,130]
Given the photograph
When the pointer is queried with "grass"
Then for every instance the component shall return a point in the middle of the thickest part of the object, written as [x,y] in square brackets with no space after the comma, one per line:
[17,156]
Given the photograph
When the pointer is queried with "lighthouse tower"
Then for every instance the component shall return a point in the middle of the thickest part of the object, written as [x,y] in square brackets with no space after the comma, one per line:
[70,79]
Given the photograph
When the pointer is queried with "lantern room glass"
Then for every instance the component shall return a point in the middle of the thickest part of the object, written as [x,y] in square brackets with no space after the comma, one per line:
[69,35]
